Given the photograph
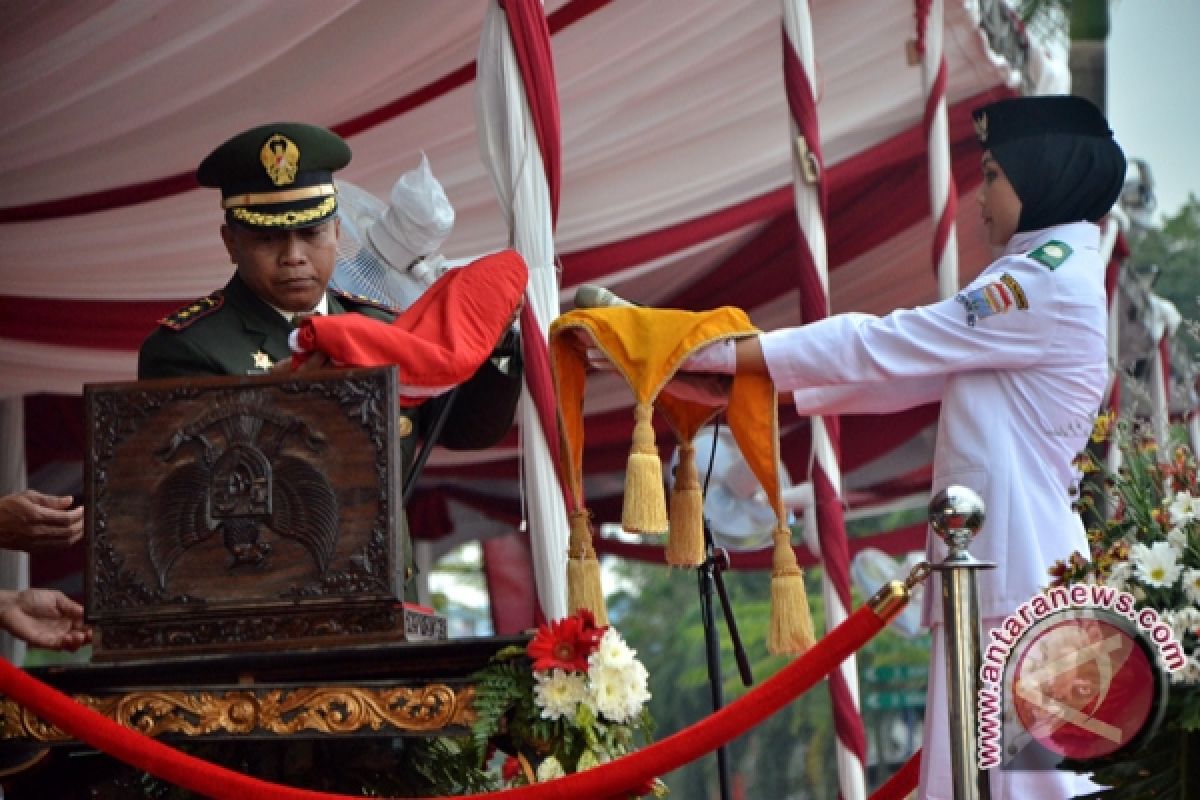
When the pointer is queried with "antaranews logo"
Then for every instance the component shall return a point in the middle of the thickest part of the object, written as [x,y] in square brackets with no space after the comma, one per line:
[1076,672]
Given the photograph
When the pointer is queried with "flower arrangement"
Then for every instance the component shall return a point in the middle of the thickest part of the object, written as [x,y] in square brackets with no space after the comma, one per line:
[574,698]
[1148,544]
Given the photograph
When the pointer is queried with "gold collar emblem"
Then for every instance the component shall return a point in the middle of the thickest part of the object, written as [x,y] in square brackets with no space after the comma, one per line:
[280,157]
[981,128]
[261,360]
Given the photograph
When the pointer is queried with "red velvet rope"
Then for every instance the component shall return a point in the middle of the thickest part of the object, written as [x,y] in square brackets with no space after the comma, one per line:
[609,780]
[902,782]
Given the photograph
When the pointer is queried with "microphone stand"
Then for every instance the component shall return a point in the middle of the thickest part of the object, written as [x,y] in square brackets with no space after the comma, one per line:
[716,560]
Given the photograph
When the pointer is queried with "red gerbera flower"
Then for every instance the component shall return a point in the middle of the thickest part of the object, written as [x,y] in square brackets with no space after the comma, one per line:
[510,769]
[566,643]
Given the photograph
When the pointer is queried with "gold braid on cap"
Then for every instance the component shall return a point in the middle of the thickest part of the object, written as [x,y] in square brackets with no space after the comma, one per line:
[275,198]
[287,217]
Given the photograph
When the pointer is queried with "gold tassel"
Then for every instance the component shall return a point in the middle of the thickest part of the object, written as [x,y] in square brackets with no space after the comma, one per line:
[645,508]
[685,542]
[791,620]
[583,570]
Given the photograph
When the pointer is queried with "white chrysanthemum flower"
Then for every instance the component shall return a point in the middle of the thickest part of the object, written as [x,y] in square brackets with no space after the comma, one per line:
[1191,585]
[1184,508]
[1177,538]
[1185,620]
[1157,565]
[1118,576]
[1189,618]
[618,694]
[550,769]
[559,693]
[1190,672]
[612,651]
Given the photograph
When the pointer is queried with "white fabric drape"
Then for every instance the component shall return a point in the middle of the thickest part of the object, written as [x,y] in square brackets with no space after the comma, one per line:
[510,149]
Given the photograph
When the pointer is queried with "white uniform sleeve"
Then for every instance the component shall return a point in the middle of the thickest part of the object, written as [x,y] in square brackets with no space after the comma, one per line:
[865,398]
[1003,320]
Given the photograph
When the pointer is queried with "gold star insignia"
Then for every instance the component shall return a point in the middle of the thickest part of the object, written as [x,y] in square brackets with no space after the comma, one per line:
[262,360]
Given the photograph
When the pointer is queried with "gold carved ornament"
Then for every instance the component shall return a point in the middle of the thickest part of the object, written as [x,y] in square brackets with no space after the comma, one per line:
[332,710]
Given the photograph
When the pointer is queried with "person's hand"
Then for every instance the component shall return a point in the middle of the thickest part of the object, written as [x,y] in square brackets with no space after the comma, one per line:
[44,618]
[33,521]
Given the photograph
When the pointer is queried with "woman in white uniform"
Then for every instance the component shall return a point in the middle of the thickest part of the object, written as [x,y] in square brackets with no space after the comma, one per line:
[1017,360]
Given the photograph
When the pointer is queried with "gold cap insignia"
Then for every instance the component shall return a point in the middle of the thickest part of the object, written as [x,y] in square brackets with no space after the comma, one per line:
[261,360]
[981,128]
[280,157]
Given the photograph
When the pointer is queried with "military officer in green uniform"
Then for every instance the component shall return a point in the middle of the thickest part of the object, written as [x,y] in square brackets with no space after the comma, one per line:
[281,231]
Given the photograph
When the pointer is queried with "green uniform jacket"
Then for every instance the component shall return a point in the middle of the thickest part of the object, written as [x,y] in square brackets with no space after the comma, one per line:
[223,333]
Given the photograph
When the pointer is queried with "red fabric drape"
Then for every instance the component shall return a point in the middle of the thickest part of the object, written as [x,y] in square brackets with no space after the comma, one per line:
[145,192]
[508,570]
[531,43]
[861,205]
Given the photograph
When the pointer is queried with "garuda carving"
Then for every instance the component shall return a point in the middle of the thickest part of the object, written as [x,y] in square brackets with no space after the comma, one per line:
[240,483]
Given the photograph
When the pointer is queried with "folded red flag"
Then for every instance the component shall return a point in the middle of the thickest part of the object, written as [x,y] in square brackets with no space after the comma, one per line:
[440,340]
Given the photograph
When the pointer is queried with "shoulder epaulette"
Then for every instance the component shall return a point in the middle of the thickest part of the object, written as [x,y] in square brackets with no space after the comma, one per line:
[1052,254]
[186,316]
[363,300]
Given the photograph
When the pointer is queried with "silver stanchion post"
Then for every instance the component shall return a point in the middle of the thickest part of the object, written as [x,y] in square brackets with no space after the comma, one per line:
[956,514]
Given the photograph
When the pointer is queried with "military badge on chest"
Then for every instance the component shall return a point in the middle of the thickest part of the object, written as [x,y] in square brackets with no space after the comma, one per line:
[997,297]
[262,363]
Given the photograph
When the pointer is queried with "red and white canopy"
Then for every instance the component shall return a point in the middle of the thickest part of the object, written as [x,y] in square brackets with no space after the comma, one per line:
[676,179]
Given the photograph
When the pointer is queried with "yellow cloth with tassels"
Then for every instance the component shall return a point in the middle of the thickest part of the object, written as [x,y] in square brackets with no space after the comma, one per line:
[646,346]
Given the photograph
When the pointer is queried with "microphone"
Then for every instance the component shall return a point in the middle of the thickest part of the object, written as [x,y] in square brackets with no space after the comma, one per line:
[591,296]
